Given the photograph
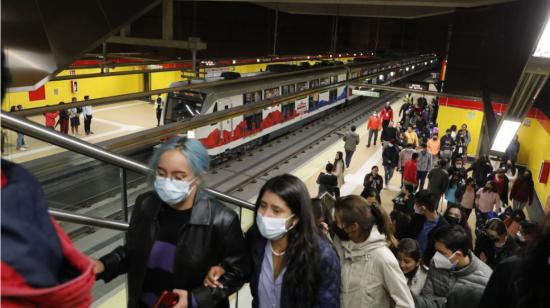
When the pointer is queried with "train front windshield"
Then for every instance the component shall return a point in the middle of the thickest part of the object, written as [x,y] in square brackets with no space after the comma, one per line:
[183,105]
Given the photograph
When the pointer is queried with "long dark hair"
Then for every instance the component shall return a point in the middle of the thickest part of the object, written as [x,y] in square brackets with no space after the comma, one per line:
[493,187]
[340,158]
[463,221]
[355,209]
[302,255]
[528,179]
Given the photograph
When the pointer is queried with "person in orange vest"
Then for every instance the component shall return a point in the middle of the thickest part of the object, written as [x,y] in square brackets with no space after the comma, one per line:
[374,125]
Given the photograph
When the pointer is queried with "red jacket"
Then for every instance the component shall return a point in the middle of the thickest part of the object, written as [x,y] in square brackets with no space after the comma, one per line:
[374,123]
[50,118]
[386,114]
[39,267]
[76,293]
[409,172]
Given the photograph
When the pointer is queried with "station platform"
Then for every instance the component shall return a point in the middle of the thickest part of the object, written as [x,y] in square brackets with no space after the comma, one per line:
[108,122]
[363,160]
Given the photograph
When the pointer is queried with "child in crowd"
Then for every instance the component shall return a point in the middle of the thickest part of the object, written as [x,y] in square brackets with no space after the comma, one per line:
[409,256]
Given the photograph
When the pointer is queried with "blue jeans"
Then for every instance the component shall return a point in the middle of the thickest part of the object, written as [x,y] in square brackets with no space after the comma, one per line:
[388,174]
[20,140]
[349,154]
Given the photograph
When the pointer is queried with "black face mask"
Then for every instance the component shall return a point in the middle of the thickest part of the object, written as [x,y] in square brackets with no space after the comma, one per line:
[494,239]
[452,220]
[340,232]
[411,274]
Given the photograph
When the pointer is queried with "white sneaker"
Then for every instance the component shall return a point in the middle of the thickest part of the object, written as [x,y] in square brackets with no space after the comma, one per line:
[21,149]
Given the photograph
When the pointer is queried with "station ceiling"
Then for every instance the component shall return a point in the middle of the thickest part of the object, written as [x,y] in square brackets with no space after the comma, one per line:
[406,9]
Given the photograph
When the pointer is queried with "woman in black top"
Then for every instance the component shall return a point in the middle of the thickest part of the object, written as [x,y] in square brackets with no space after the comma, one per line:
[177,232]
[494,245]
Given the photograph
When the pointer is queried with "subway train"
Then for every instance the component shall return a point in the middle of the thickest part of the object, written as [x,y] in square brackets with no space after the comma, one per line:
[244,132]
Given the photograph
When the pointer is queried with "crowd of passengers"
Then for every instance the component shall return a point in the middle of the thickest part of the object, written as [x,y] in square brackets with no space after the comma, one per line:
[298,252]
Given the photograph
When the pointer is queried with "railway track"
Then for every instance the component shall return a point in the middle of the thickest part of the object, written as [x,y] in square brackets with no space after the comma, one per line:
[355,114]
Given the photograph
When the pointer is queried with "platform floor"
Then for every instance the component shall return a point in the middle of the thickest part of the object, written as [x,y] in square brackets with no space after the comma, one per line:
[108,122]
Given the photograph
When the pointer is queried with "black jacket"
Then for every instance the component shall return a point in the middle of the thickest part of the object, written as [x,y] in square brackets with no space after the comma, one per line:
[213,236]
[328,182]
[481,169]
[390,156]
[373,181]
[518,283]
[415,227]
[389,133]
[486,246]
[329,279]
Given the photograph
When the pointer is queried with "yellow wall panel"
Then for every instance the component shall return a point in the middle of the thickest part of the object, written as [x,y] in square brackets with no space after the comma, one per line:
[448,116]
[534,148]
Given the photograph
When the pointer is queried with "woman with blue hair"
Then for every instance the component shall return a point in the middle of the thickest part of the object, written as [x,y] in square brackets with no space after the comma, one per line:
[177,232]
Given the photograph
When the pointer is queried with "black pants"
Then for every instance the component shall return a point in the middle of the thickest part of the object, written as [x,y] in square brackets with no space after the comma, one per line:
[371,133]
[87,124]
[385,124]
[159,113]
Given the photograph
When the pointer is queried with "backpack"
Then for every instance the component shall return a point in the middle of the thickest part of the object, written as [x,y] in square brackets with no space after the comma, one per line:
[79,110]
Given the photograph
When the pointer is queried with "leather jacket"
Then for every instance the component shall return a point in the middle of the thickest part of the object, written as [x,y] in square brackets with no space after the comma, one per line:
[213,236]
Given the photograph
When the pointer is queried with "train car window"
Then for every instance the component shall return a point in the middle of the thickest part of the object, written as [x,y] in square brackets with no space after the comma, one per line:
[271,93]
[332,95]
[288,109]
[252,97]
[288,89]
[313,83]
[324,81]
[333,79]
[253,121]
[301,86]
[354,75]
[313,100]
[183,105]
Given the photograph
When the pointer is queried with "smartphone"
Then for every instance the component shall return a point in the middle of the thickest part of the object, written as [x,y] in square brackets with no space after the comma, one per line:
[167,300]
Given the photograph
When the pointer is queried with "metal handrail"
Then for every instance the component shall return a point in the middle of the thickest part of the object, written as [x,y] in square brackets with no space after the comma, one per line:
[89,220]
[40,132]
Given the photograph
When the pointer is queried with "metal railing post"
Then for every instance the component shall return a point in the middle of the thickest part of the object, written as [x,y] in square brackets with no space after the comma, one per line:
[124,194]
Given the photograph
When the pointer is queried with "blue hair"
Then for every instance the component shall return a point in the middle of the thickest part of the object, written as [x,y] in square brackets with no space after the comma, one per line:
[192,149]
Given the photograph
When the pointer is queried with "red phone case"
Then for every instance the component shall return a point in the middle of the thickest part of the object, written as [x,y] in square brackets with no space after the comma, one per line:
[167,300]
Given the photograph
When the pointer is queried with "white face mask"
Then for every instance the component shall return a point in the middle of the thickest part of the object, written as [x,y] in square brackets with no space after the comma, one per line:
[272,228]
[442,262]
[172,191]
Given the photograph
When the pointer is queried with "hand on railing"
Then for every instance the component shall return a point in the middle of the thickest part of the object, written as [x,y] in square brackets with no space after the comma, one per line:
[211,279]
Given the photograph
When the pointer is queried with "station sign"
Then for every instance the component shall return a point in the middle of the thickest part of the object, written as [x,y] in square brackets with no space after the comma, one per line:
[365,93]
